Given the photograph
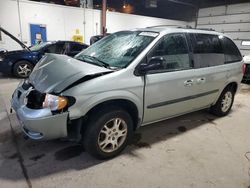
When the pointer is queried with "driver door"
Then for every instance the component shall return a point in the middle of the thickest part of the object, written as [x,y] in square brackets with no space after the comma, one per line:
[169,91]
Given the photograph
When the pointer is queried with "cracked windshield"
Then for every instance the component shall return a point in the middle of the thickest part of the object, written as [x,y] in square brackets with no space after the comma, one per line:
[117,50]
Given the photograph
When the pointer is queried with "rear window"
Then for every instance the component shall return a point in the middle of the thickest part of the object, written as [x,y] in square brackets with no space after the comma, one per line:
[232,53]
[57,48]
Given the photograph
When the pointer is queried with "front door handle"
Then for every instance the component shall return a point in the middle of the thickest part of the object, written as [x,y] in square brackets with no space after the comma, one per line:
[188,83]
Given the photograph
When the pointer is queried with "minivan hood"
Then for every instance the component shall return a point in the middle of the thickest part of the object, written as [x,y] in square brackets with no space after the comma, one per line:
[54,73]
[15,39]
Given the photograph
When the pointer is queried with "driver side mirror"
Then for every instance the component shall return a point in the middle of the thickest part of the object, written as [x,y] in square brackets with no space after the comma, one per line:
[154,63]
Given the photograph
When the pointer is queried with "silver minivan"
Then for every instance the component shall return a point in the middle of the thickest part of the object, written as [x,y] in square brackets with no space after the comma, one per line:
[127,80]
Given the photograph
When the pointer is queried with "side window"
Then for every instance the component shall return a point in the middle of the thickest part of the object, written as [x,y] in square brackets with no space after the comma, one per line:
[173,48]
[207,50]
[57,48]
[232,54]
[76,47]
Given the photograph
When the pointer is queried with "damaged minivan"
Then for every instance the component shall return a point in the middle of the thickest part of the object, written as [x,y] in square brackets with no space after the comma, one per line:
[127,80]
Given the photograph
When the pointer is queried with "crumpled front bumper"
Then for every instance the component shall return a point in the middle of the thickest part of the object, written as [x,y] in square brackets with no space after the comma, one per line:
[38,124]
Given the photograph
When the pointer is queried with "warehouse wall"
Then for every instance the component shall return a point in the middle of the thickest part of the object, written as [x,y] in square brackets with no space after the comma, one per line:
[61,21]
[119,21]
[233,20]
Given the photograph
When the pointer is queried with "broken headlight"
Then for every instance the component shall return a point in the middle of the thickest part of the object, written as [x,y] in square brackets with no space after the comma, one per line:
[54,102]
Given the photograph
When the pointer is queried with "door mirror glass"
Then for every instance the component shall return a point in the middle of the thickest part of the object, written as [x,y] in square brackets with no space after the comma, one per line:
[155,63]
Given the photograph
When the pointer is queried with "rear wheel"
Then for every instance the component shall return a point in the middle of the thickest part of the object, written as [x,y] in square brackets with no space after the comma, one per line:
[22,69]
[224,103]
[108,133]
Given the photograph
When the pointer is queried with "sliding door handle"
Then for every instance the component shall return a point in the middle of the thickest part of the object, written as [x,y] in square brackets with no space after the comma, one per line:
[201,80]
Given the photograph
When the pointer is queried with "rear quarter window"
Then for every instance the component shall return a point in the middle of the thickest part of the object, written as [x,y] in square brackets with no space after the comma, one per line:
[232,53]
[207,50]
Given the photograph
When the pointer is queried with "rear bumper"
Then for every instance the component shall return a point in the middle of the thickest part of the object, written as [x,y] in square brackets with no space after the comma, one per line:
[38,124]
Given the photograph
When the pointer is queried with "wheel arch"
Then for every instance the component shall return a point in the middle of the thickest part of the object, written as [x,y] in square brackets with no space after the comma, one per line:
[233,85]
[125,104]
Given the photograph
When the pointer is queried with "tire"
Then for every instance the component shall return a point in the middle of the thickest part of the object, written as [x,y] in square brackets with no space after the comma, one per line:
[224,104]
[22,69]
[102,139]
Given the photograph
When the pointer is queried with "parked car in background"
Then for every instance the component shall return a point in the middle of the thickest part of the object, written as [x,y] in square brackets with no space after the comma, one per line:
[21,62]
[96,38]
[127,80]
[2,50]
[246,69]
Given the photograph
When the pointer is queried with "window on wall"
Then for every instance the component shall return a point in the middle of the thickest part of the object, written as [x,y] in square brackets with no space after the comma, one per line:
[245,43]
[207,50]
[174,50]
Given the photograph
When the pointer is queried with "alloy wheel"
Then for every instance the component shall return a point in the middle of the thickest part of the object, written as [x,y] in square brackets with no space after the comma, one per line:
[226,101]
[24,70]
[112,135]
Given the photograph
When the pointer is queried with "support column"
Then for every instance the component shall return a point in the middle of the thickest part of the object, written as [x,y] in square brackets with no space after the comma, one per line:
[19,20]
[104,8]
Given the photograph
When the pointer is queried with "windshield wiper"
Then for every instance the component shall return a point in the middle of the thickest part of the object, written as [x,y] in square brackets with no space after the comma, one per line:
[96,61]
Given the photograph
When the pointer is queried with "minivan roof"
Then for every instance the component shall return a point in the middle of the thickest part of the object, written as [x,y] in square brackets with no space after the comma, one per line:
[173,29]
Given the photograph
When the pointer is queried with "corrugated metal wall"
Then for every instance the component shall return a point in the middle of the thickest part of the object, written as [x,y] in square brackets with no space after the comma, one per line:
[233,20]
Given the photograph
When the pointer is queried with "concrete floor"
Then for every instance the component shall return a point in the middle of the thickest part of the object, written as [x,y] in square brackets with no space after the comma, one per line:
[195,150]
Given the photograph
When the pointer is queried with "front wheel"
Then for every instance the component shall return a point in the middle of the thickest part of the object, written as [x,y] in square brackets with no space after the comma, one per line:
[22,69]
[224,103]
[108,133]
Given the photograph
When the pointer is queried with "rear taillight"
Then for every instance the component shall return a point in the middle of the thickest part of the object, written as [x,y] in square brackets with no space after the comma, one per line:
[244,68]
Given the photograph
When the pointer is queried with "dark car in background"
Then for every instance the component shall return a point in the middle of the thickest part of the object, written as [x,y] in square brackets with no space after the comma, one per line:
[21,62]
[96,38]
[246,69]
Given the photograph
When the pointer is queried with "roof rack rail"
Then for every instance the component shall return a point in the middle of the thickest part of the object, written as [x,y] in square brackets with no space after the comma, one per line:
[186,27]
[190,27]
[164,26]
[206,29]
[182,27]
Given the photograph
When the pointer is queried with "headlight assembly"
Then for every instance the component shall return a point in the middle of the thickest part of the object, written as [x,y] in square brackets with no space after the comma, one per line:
[54,102]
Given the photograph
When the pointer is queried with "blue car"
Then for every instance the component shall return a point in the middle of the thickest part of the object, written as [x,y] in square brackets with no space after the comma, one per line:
[20,63]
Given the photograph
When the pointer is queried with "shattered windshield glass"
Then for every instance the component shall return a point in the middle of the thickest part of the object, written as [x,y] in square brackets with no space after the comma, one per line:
[119,49]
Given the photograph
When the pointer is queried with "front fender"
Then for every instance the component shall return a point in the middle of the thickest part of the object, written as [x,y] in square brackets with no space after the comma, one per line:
[85,104]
